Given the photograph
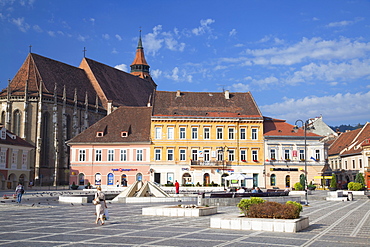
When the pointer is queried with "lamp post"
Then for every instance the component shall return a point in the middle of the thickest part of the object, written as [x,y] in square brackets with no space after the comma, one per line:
[305,127]
[222,149]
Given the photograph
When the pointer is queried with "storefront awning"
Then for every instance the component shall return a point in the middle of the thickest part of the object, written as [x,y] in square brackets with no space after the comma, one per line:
[322,177]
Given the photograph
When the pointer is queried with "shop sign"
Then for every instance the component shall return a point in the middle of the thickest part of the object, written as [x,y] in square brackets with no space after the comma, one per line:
[284,169]
[123,170]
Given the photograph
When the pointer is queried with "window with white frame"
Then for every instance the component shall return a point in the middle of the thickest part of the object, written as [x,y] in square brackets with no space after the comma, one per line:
[2,158]
[123,155]
[182,154]
[231,155]
[194,154]
[158,133]
[255,155]
[194,133]
[170,133]
[206,154]
[273,154]
[157,154]
[243,155]
[110,154]
[243,135]
[24,160]
[219,132]
[317,155]
[206,134]
[254,134]
[170,154]
[301,154]
[220,155]
[231,133]
[98,154]
[287,154]
[82,155]
[139,155]
[182,133]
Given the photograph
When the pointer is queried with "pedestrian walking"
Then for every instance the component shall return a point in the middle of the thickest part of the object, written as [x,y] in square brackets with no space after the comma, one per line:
[19,191]
[177,186]
[100,206]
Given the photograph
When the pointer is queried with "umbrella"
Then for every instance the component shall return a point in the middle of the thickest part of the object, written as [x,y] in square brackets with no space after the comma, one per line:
[237,176]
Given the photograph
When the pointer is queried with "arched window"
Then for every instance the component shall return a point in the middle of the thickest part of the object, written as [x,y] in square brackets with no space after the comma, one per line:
[110,179]
[287,181]
[124,180]
[186,178]
[17,122]
[98,179]
[45,137]
[273,180]
[206,179]
[81,179]
[139,177]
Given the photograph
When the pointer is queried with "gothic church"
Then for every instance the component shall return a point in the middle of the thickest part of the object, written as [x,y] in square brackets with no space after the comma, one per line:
[48,102]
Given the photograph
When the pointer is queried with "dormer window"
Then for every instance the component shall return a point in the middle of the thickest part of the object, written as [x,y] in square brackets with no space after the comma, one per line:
[124,134]
[99,134]
[3,133]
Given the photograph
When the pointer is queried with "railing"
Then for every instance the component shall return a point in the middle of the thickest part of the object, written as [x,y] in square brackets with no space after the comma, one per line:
[210,163]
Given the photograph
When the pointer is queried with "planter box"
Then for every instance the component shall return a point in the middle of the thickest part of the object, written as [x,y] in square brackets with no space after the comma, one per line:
[355,193]
[178,211]
[299,192]
[260,224]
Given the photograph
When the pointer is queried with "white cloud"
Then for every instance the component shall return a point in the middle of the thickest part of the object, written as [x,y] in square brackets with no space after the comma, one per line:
[315,19]
[118,37]
[19,22]
[106,36]
[114,51]
[204,27]
[51,33]
[37,28]
[232,32]
[122,67]
[240,87]
[174,75]
[178,75]
[82,38]
[92,21]
[156,73]
[333,108]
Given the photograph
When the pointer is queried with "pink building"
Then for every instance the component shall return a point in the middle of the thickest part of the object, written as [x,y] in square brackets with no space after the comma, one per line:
[114,151]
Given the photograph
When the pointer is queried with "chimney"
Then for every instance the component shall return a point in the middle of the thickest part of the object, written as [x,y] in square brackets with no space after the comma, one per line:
[109,107]
[178,93]
[227,94]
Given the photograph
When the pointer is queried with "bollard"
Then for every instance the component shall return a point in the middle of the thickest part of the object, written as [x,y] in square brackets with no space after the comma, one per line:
[350,196]
[200,198]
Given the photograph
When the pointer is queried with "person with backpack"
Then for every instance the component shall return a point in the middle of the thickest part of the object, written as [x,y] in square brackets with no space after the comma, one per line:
[19,192]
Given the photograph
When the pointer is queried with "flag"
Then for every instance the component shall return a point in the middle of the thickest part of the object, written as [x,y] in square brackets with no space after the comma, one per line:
[312,158]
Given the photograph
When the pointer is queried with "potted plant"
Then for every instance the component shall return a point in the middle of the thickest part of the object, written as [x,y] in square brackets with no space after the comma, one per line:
[311,186]
[333,183]
[74,186]
[88,186]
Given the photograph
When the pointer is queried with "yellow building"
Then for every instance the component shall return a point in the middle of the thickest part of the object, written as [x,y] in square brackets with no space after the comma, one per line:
[199,137]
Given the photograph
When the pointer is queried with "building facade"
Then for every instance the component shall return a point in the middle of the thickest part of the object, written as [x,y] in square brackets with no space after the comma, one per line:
[286,154]
[15,162]
[199,138]
[114,151]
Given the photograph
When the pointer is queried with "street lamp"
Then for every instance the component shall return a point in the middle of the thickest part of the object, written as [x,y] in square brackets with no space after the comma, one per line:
[305,128]
[222,149]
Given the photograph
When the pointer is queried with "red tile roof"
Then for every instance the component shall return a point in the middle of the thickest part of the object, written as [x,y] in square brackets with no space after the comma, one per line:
[15,141]
[278,127]
[201,104]
[134,120]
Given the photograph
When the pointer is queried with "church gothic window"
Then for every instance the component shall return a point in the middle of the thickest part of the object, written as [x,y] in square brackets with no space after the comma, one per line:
[45,136]
[17,122]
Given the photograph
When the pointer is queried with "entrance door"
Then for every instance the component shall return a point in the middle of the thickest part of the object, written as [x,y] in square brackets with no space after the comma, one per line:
[157,178]
[287,181]
[255,180]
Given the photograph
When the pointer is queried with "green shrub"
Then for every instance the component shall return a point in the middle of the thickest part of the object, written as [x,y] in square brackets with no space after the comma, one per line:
[198,184]
[298,186]
[360,179]
[273,210]
[333,182]
[297,204]
[245,204]
[355,186]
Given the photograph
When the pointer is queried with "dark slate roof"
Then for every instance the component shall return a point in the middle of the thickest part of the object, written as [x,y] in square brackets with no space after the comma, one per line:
[203,104]
[278,127]
[17,141]
[37,68]
[135,120]
[116,85]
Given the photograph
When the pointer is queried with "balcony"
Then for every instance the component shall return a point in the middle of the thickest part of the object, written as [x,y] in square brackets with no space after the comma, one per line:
[212,163]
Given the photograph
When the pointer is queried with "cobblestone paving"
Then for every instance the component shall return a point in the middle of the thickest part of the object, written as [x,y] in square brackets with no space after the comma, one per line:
[42,221]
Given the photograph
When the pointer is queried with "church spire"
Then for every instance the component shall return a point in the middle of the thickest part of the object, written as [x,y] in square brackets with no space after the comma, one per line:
[139,66]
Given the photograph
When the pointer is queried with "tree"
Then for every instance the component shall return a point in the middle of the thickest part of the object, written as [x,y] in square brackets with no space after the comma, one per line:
[333,182]
[360,179]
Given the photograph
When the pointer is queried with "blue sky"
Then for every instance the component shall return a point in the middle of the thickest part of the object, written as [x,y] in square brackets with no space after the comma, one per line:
[299,59]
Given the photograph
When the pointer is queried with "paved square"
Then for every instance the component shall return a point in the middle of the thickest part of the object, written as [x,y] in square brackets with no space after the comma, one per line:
[45,222]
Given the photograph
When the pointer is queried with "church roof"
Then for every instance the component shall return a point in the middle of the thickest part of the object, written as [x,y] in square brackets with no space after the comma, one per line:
[37,68]
[135,121]
[140,57]
[202,104]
